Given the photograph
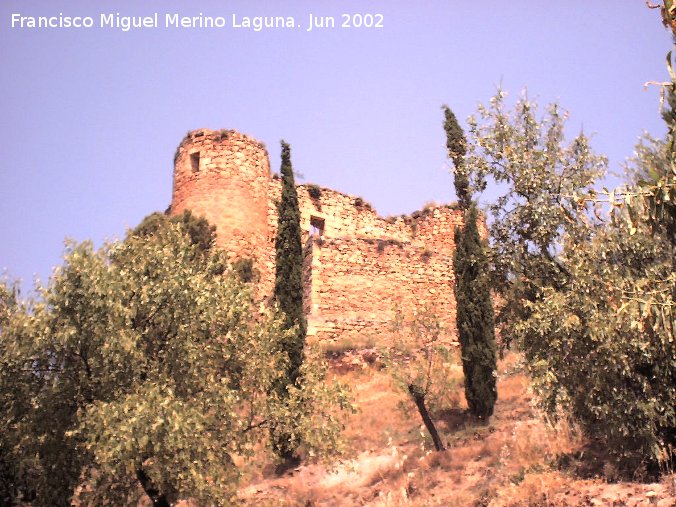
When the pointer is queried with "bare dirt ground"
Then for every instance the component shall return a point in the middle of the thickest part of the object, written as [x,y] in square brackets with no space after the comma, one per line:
[512,461]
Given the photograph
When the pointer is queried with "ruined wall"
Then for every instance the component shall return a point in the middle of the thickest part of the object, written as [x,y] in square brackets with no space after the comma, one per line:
[334,215]
[343,215]
[358,283]
[358,266]
[363,283]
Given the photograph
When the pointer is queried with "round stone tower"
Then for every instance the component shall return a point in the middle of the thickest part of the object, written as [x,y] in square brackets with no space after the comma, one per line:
[224,176]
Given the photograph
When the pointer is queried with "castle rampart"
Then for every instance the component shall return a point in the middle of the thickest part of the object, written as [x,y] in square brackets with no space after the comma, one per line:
[223,176]
[359,267]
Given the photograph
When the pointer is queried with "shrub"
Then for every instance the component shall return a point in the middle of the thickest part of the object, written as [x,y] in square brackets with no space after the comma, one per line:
[244,268]
[314,191]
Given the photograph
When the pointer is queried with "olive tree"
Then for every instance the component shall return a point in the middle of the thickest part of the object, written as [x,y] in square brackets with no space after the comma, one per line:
[540,181]
[420,363]
[587,285]
[141,368]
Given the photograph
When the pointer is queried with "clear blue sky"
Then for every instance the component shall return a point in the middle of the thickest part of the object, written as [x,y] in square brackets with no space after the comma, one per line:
[91,117]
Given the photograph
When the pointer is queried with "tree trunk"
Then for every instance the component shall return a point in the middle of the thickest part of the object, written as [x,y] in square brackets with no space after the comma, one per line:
[158,499]
[419,399]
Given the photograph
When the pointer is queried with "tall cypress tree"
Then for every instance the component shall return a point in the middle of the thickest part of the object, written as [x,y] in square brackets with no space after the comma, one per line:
[289,286]
[457,147]
[476,326]
[475,319]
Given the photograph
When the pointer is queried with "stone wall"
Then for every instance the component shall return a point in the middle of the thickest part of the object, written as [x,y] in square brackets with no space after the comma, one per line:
[223,176]
[358,266]
[338,215]
[359,283]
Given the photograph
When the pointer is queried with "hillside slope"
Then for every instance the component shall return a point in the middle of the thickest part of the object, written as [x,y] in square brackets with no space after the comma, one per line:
[516,460]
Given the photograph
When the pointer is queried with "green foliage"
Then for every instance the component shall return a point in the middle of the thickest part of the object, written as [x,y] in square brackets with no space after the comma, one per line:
[138,364]
[602,345]
[653,198]
[456,145]
[424,343]
[659,195]
[309,417]
[289,266]
[475,320]
[542,181]
[651,195]
[246,271]
[629,327]
[10,475]
[336,349]
[476,326]
[587,295]
[289,285]
[360,202]
[314,191]
[202,234]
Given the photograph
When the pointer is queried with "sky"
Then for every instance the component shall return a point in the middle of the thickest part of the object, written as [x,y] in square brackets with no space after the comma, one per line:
[91,117]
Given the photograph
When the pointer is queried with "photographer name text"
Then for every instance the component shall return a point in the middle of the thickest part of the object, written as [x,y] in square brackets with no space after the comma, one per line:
[116,21]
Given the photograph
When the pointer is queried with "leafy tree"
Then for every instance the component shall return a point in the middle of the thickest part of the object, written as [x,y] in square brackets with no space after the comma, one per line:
[475,319]
[245,270]
[606,343]
[476,325]
[639,241]
[588,292]
[653,199]
[289,289]
[139,366]
[424,373]
[9,472]
[541,184]
[650,195]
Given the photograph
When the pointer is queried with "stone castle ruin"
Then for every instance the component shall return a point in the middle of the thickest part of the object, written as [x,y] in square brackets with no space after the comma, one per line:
[358,266]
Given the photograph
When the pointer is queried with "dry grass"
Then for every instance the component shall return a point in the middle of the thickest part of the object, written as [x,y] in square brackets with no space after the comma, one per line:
[378,420]
[509,462]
